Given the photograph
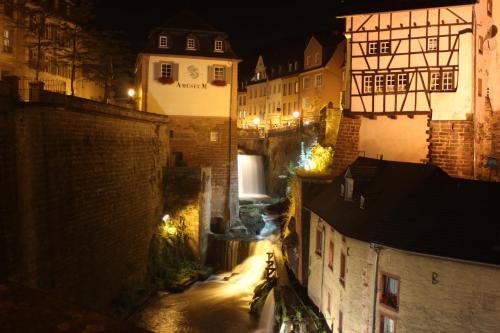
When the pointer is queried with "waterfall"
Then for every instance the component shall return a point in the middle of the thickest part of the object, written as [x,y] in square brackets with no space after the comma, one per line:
[266,321]
[251,176]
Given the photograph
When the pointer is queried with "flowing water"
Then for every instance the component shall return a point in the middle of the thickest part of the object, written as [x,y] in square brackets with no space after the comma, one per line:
[251,177]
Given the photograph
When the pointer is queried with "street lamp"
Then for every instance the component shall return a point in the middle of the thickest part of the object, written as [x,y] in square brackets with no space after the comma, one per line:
[296,114]
[256,121]
[131,93]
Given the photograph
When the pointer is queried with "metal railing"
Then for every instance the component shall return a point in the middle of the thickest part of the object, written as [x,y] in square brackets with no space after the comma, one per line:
[57,86]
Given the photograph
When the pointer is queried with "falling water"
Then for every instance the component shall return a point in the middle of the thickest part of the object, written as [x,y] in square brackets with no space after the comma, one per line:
[266,321]
[251,176]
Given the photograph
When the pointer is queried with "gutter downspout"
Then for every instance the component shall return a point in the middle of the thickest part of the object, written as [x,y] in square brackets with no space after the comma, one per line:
[377,248]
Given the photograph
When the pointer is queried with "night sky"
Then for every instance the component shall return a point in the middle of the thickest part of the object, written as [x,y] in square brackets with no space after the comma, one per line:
[251,25]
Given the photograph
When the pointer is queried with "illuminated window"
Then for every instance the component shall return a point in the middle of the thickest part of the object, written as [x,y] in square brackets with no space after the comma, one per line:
[218,46]
[432,44]
[435,81]
[319,80]
[390,292]
[305,82]
[447,81]
[190,44]
[219,73]
[330,255]
[166,70]
[373,48]
[387,324]
[7,41]
[297,87]
[385,47]
[402,82]
[489,7]
[319,241]
[368,84]
[163,42]
[379,83]
[390,82]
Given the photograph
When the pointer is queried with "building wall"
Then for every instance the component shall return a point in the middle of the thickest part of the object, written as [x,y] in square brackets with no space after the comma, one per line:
[291,100]
[436,295]
[347,147]
[86,195]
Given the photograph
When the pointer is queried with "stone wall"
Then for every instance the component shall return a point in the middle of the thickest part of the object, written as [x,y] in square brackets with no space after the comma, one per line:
[451,147]
[347,147]
[82,195]
[205,142]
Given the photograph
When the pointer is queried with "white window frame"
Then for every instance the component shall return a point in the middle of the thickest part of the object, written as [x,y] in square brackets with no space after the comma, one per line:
[432,44]
[318,80]
[163,42]
[390,83]
[447,81]
[435,81]
[385,47]
[367,84]
[373,48]
[392,329]
[379,84]
[219,73]
[218,45]
[166,70]
[402,82]
[7,40]
[190,44]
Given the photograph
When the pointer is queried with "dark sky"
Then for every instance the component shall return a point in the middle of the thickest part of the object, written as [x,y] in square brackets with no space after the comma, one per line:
[250,25]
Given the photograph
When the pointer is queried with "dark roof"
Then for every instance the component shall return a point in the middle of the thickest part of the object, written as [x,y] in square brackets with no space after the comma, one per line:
[186,24]
[353,7]
[413,207]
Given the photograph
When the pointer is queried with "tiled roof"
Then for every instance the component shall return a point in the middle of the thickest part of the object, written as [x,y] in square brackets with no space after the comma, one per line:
[413,207]
[353,7]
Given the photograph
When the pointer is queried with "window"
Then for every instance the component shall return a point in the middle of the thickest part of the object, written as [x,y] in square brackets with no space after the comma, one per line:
[316,59]
[330,255]
[349,186]
[390,82]
[385,47]
[387,325]
[342,268]
[166,70]
[341,319]
[218,47]
[190,44]
[163,42]
[432,44]
[297,87]
[390,292]
[379,83]
[290,67]
[305,102]
[219,73]
[447,81]
[285,110]
[402,82]
[479,87]
[373,48]
[7,43]
[284,89]
[319,242]
[489,7]
[480,46]
[435,81]
[308,60]
[214,136]
[296,65]
[367,84]
[305,82]
[319,80]
[290,88]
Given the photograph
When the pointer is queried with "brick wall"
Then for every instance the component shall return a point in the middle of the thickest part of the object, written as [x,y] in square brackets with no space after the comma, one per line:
[89,193]
[451,147]
[191,136]
[347,147]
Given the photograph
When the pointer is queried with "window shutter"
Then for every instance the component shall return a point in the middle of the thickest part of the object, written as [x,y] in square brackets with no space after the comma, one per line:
[228,70]
[156,70]
[210,74]
[175,71]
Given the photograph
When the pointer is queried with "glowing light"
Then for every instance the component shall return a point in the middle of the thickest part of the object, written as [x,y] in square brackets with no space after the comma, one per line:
[307,122]
[296,114]
[165,218]
[131,92]
[256,121]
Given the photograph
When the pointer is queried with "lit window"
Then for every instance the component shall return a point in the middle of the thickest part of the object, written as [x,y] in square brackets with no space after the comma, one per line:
[219,73]
[390,292]
[319,241]
[7,44]
[218,46]
[385,47]
[387,325]
[373,48]
[319,80]
[379,83]
[163,42]
[367,84]
[305,82]
[390,82]
[432,44]
[342,268]
[447,81]
[402,82]
[330,255]
[166,70]
[190,44]
[297,87]
[435,81]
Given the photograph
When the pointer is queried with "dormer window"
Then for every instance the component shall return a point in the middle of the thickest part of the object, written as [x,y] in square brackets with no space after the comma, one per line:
[190,44]
[349,187]
[342,190]
[163,42]
[362,202]
[316,58]
[218,46]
